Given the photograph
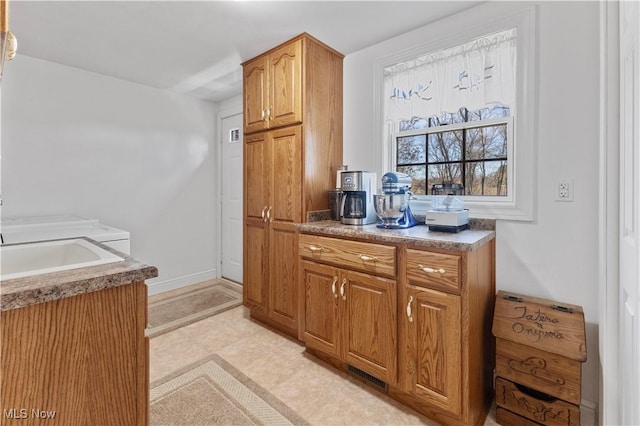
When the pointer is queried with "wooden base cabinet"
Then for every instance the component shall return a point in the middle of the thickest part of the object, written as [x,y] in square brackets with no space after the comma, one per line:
[352,317]
[80,360]
[292,149]
[417,319]
[446,350]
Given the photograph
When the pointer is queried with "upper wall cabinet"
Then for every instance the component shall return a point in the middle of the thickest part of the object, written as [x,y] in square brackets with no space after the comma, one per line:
[274,85]
[272,82]
[273,88]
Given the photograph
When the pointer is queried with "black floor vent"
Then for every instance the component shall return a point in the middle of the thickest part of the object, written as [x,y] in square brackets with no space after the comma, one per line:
[367,377]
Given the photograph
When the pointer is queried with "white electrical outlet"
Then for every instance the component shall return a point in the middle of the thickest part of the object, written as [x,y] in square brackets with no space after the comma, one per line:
[564,190]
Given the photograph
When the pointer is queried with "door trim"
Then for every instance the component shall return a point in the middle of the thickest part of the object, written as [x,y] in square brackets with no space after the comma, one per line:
[608,206]
[221,115]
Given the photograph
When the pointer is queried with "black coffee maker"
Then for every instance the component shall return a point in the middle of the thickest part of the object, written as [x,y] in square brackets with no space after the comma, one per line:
[357,207]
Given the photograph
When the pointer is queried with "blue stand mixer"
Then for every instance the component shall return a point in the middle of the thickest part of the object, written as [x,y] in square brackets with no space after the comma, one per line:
[392,207]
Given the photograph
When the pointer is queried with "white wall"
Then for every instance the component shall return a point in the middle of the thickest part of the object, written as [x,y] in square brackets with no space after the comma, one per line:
[556,256]
[134,157]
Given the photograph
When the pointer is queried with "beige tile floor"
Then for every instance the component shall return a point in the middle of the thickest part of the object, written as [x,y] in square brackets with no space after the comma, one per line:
[316,391]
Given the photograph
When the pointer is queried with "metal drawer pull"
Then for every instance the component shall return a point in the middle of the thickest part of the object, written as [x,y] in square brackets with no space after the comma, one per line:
[263,213]
[314,249]
[366,258]
[344,281]
[333,287]
[409,316]
[431,270]
[269,214]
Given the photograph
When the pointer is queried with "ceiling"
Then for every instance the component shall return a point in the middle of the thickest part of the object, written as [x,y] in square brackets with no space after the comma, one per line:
[196,47]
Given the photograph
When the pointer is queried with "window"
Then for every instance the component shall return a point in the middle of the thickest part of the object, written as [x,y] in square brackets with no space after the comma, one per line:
[465,153]
[470,130]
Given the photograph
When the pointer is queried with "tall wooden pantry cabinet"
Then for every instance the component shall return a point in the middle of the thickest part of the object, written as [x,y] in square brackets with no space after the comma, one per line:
[292,149]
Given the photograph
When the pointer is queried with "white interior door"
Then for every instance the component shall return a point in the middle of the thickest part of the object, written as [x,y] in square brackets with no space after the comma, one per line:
[629,303]
[231,212]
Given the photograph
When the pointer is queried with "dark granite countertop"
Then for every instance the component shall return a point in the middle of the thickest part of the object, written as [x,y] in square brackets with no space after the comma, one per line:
[420,235]
[20,292]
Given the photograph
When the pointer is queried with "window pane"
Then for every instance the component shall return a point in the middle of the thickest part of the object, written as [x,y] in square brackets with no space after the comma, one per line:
[417,174]
[445,146]
[486,178]
[487,142]
[411,150]
[440,174]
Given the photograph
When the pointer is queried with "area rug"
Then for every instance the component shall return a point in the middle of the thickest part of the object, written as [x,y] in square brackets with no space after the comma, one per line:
[192,305]
[213,392]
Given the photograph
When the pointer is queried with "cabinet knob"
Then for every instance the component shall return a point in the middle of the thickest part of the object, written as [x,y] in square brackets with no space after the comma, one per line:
[269,218]
[333,287]
[366,258]
[264,210]
[431,270]
[344,281]
[409,315]
[315,249]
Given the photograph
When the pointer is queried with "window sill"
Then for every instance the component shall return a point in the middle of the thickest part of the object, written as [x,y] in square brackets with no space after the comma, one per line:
[504,210]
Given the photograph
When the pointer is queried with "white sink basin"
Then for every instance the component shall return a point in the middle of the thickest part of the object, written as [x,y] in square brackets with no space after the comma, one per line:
[23,260]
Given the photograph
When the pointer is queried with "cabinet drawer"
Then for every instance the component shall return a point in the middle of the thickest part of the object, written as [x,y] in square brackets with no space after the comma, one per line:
[434,270]
[366,257]
[535,406]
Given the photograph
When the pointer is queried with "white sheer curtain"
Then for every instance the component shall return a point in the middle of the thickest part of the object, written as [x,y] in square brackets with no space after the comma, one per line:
[472,75]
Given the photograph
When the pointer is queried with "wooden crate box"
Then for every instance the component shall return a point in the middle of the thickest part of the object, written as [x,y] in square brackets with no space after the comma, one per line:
[540,348]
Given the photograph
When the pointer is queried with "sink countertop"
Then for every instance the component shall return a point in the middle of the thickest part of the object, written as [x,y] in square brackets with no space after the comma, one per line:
[21,292]
[420,235]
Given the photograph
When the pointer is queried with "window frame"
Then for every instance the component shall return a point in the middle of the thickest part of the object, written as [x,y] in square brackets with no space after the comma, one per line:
[520,204]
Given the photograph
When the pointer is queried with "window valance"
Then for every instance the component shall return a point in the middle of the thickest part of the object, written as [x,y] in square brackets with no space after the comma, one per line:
[471,75]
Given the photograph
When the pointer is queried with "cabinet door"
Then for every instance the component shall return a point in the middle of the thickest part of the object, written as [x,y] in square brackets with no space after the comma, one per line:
[256,94]
[257,157]
[433,358]
[255,238]
[286,175]
[283,283]
[285,82]
[370,336]
[321,307]
[255,277]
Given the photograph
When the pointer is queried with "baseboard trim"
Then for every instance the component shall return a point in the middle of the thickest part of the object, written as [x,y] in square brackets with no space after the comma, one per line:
[588,413]
[179,282]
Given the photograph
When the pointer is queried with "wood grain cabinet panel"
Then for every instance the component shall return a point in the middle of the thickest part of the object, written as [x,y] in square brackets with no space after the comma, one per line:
[82,360]
[434,270]
[293,147]
[256,94]
[433,346]
[370,336]
[375,259]
[352,316]
[285,73]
